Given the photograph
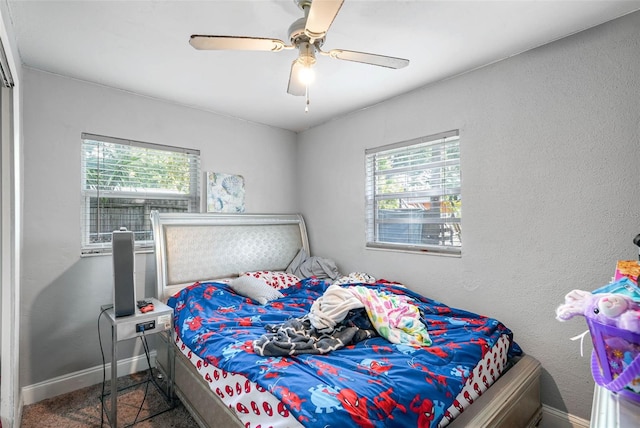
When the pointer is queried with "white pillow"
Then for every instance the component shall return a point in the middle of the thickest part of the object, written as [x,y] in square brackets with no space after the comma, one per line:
[254,289]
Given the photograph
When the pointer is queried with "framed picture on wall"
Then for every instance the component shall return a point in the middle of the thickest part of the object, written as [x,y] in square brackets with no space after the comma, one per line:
[225,193]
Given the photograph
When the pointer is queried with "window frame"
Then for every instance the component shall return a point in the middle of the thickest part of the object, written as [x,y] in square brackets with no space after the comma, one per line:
[453,220]
[141,245]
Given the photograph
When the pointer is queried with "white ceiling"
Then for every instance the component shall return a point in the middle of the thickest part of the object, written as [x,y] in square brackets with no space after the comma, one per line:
[142,47]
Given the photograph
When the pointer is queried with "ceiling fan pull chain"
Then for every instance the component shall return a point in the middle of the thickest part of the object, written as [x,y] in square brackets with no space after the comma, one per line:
[306,107]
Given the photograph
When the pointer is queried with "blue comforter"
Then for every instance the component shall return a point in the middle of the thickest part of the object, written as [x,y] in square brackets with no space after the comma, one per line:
[373,383]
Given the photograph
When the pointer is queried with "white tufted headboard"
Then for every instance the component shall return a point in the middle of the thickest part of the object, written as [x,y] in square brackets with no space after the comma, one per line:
[197,247]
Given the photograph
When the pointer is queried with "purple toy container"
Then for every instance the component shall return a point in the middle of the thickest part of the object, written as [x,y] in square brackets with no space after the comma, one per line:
[615,363]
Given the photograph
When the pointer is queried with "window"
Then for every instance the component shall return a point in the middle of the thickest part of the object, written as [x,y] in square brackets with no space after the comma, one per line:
[123,180]
[413,195]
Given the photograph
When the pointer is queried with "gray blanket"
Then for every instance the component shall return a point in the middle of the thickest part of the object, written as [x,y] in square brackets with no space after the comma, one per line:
[298,336]
[305,266]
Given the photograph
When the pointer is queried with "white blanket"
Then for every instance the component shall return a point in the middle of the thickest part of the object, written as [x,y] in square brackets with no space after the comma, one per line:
[332,308]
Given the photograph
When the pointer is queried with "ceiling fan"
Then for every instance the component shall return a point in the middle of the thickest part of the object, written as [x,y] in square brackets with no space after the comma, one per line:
[306,34]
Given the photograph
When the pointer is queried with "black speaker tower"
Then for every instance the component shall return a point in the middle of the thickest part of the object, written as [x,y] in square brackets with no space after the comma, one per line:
[124,298]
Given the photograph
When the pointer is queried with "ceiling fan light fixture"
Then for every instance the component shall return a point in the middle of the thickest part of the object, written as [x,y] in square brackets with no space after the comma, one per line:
[306,75]
[306,60]
[307,55]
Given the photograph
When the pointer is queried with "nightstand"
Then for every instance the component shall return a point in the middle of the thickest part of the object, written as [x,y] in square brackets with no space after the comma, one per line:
[612,411]
[131,327]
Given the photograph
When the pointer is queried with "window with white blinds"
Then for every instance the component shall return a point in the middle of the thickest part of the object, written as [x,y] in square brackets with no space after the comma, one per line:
[413,195]
[123,180]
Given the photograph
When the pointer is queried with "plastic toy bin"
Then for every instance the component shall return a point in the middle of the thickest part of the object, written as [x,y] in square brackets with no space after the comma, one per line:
[615,363]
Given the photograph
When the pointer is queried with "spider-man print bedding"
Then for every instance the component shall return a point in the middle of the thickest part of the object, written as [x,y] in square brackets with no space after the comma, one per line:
[373,383]
[257,407]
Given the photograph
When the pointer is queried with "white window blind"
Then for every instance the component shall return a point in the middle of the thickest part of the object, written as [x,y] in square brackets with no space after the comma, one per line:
[413,195]
[123,180]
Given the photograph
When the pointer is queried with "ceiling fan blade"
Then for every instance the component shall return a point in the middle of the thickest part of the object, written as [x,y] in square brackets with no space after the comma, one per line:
[321,16]
[235,43]
[295,85]
[367,58]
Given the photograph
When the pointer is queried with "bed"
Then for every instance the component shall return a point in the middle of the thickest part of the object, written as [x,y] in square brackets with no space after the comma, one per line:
[226,379]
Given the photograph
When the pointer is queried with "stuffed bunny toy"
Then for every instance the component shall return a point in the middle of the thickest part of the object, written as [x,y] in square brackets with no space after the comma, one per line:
[611,309]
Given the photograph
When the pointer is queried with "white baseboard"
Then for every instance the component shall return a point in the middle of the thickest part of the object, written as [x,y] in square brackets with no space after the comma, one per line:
[554,418]
[83,378]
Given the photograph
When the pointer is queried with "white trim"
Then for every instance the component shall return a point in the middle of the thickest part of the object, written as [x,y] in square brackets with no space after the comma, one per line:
[83,378]
[10,244]
[554,418]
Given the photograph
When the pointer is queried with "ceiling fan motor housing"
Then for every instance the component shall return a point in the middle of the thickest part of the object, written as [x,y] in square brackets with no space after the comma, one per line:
[297,34]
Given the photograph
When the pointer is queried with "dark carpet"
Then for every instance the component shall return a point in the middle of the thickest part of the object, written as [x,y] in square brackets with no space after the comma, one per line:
[81,408]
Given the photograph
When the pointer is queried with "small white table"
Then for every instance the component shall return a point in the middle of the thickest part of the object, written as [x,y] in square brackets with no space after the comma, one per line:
[612,411]
[131,327]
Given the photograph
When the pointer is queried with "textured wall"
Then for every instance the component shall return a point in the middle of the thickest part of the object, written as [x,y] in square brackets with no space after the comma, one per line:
[62,292]
[550,149]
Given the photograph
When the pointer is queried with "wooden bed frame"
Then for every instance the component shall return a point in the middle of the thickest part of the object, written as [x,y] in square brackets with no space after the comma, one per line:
[196,247]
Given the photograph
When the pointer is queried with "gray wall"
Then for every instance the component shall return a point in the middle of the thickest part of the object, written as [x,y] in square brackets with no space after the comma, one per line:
[550,153]
[62,292]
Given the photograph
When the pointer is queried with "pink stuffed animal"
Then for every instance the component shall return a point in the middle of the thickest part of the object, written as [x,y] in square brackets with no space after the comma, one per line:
[607,308]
